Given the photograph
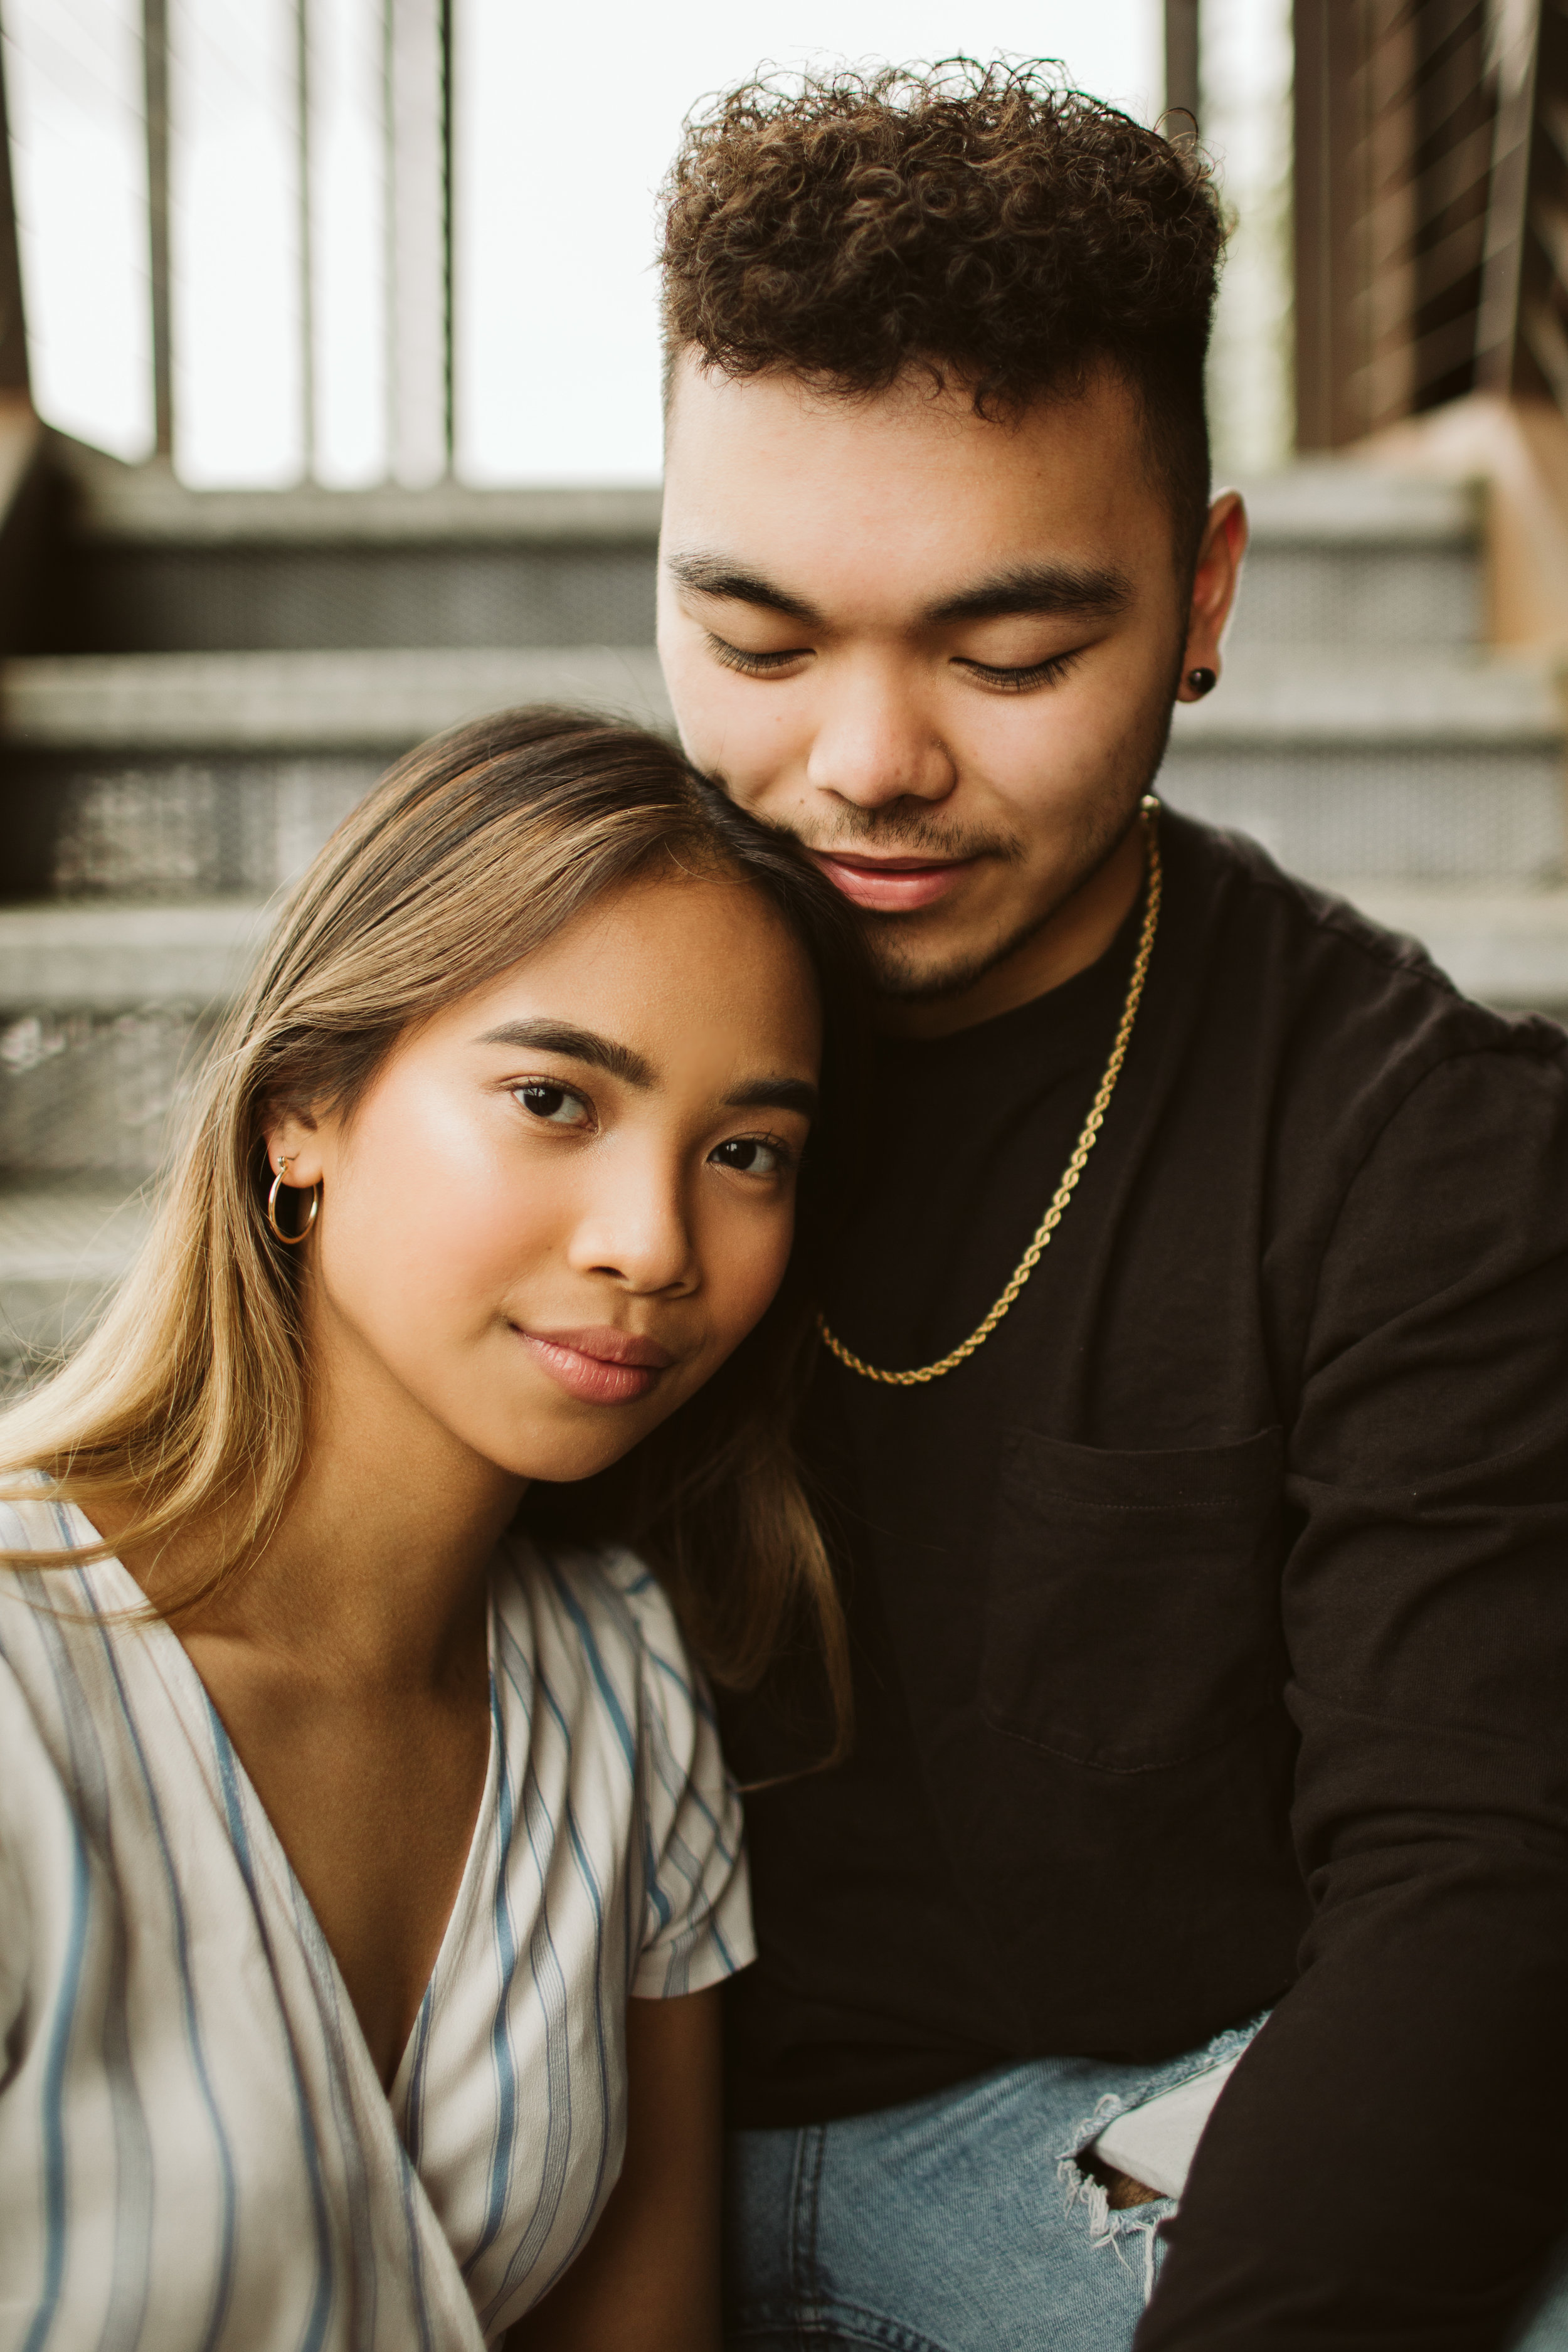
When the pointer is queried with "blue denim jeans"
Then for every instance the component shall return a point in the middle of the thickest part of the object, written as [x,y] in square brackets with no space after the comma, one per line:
[962,2223]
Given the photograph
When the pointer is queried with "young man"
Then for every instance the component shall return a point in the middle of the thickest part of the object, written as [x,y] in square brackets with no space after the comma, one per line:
[1209,1591]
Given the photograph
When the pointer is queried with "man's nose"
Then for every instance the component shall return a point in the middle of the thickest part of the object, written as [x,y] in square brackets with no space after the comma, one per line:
[635,1227]
[876,745]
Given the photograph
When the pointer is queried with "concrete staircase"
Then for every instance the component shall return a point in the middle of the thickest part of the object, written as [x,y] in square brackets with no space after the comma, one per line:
[1369,740]
[214,678]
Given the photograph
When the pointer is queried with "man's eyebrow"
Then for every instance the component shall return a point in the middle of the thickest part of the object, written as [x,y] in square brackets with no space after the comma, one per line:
[1073,591]
[716,575]
[774,1094]
[579,1045]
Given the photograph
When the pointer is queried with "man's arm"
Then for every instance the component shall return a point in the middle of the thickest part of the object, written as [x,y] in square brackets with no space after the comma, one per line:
[648,2280]
[1388,2166]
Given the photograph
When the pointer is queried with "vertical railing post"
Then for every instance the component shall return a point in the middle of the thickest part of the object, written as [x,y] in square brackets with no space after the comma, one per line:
[155,70]
[1514,48]
[13,323]
[1183,69]
[448,203]
[419,322]
[307,279]
[1329,212]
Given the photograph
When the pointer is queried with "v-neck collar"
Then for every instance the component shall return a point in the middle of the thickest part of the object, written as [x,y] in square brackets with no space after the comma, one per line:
[217,1752]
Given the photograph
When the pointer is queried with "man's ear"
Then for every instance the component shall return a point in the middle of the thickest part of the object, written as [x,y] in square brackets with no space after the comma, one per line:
[1215,583]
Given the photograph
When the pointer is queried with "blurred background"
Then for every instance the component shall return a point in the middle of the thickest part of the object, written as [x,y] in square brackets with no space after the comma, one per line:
[344,184]
[329,417]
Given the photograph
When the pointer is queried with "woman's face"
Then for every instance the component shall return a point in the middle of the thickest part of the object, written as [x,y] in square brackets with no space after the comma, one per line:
[565,1200]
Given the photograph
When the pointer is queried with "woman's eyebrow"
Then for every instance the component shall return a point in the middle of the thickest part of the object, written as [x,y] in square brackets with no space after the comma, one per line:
[580,1045]
[774,1094]
[621,1062]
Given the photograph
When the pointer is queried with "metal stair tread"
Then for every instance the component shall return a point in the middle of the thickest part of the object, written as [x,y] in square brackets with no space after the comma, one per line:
[1507,947]
[1325,504]
[115,504]
[100,954]
[1336,504]
[1271,694]
[386,698]
[69,1232]
[380,698]
[1503,944]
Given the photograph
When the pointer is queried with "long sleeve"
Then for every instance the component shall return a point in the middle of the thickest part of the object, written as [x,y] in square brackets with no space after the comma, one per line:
[1389,2166]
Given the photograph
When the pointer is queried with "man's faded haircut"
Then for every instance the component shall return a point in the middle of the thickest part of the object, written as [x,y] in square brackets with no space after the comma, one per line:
[986,223]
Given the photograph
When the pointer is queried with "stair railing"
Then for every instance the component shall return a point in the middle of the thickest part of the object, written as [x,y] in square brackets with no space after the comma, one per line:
[417,137]
[1431,202]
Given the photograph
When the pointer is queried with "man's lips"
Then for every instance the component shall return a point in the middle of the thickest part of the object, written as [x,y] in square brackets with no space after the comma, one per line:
[891,885]
[601,1365]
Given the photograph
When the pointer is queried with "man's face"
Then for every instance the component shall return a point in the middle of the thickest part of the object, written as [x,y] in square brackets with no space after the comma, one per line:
[939,650]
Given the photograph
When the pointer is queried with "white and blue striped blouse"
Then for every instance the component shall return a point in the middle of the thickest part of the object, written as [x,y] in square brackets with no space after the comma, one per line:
[196,2154]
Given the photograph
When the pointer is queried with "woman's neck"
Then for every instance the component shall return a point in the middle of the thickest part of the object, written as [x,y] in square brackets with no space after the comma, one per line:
[375,1571]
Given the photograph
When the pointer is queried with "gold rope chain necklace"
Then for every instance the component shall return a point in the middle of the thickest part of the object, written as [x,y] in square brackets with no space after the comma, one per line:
[1150,813]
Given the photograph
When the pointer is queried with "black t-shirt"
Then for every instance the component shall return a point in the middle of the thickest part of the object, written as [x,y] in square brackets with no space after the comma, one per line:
[1210,1623]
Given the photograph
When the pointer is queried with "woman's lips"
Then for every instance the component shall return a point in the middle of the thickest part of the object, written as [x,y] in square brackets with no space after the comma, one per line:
[602,1365]
[891,885]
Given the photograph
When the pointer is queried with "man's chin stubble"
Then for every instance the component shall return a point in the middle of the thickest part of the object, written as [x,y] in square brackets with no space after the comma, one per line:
[906,977]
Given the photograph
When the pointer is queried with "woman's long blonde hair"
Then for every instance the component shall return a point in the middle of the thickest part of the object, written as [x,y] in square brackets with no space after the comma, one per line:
[188,1404]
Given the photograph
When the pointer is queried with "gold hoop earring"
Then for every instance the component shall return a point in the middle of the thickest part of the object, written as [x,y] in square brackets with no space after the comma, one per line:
[293,1239]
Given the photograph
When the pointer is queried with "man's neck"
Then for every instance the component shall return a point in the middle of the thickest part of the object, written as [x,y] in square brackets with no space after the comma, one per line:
[1074,937]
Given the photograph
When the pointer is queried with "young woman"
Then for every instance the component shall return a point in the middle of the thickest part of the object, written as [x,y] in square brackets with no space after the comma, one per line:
[367,1870]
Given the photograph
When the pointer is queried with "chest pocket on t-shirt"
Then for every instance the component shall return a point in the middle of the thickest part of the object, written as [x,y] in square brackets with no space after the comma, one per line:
[1133,1615]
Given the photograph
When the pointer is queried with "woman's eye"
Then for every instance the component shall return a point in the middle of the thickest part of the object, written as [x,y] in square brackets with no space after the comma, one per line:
[557,1104]
[752,1155]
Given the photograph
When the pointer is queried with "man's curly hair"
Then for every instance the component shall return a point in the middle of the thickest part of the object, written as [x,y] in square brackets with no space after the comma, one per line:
[986,223]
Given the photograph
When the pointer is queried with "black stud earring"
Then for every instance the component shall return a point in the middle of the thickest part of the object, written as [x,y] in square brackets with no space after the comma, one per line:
[1203,681]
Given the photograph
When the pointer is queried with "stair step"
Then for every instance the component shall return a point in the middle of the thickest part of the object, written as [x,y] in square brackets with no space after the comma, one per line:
[203,775]
[1346,557]
[64,1241]
[149,565]
[1395,767]
[199,775]
[1506,945]
[102,957]
[147,505]
[1341,555]
[380,698]
[1406,698]
[1509,948]
[86,1086]
[62,1248]
[1330,503]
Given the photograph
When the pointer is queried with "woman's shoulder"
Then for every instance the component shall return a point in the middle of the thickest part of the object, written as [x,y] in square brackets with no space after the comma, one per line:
[34,1522]
[604,1587]
[604,1603]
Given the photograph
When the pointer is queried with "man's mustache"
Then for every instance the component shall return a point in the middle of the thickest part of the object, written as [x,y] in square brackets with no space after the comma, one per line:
[898,832]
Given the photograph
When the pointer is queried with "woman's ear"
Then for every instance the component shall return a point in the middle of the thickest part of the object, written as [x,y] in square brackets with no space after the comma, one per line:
[294,1136]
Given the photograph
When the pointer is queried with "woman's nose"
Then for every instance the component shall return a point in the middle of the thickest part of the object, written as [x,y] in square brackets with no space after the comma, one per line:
[635,1229]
